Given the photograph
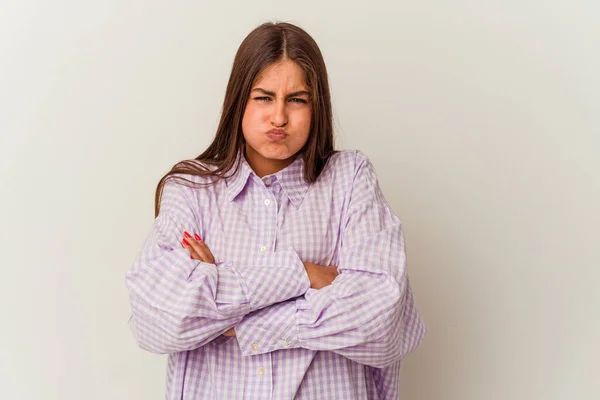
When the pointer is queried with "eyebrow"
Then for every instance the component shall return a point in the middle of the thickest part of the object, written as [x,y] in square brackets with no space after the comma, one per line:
[294,94]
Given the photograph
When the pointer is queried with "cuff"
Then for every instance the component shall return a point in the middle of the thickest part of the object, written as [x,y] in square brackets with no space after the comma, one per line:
[272,328]
[273,278]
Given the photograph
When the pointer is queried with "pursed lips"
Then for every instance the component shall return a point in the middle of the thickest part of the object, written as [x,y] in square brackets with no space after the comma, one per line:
[277,134]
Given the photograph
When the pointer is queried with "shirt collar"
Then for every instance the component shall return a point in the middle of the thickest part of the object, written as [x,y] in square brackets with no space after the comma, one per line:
[291,179]
[237,181]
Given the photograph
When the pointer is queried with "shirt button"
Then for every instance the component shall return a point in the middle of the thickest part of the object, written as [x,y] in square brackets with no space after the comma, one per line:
[255,347]
[263,249]
[267,202]
[268,181]
[284,343]
[261,371]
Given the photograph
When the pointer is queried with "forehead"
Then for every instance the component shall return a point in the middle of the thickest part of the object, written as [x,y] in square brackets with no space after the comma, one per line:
[282,75]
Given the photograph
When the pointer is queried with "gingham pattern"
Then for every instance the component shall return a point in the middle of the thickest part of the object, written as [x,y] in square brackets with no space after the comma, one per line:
[344,341]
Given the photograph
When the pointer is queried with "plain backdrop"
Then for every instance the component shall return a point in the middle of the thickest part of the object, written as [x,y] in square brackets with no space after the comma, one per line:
[482,120]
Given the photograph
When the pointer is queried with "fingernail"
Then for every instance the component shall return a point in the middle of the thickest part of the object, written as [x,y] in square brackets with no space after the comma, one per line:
[187,235]
[196,236]
[185,242]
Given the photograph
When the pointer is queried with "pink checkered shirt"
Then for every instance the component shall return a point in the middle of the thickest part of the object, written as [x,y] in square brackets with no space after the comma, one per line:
[344,341]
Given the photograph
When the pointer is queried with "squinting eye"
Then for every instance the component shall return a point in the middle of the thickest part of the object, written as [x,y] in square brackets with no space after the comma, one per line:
[262,98]
[297,100]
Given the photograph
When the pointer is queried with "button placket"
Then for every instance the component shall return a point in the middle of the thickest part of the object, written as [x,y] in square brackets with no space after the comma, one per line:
[259,375]
[267,214]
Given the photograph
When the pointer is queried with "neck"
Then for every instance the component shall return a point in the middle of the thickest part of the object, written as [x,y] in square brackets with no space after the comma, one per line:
[265,166]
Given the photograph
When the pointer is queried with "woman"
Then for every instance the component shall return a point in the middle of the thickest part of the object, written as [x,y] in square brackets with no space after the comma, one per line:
[275,268]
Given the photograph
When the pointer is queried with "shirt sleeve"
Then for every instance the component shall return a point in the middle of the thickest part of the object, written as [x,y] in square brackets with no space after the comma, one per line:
[181,304]
[367,314]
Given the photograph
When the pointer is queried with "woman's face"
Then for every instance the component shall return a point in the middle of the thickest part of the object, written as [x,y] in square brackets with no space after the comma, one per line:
[276,121]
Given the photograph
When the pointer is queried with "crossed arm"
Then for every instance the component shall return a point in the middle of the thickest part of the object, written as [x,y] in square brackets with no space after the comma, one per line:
[361,309]
[318,275]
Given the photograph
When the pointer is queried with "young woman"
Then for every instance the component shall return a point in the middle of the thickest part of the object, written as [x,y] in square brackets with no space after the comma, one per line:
[275,268]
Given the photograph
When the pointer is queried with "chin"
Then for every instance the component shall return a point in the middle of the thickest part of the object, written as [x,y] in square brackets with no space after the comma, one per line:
[277,154]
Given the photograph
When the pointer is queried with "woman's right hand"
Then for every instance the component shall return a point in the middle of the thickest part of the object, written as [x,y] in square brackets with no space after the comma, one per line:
[320,275]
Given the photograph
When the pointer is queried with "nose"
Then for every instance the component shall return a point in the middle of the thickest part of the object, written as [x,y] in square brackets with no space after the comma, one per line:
[279,116]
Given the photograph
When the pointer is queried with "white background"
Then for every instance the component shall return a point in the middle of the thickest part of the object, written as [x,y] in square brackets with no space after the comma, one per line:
[481,117]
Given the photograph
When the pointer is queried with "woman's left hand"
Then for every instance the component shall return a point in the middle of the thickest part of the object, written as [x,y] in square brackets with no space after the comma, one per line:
[200,251]
[197,248]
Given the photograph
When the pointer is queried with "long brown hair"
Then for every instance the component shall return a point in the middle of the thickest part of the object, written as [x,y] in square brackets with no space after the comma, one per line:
[265,45]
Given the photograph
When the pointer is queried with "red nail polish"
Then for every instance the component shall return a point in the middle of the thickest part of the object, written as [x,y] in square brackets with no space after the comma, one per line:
[196,236]
[185,242]
[187,235]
